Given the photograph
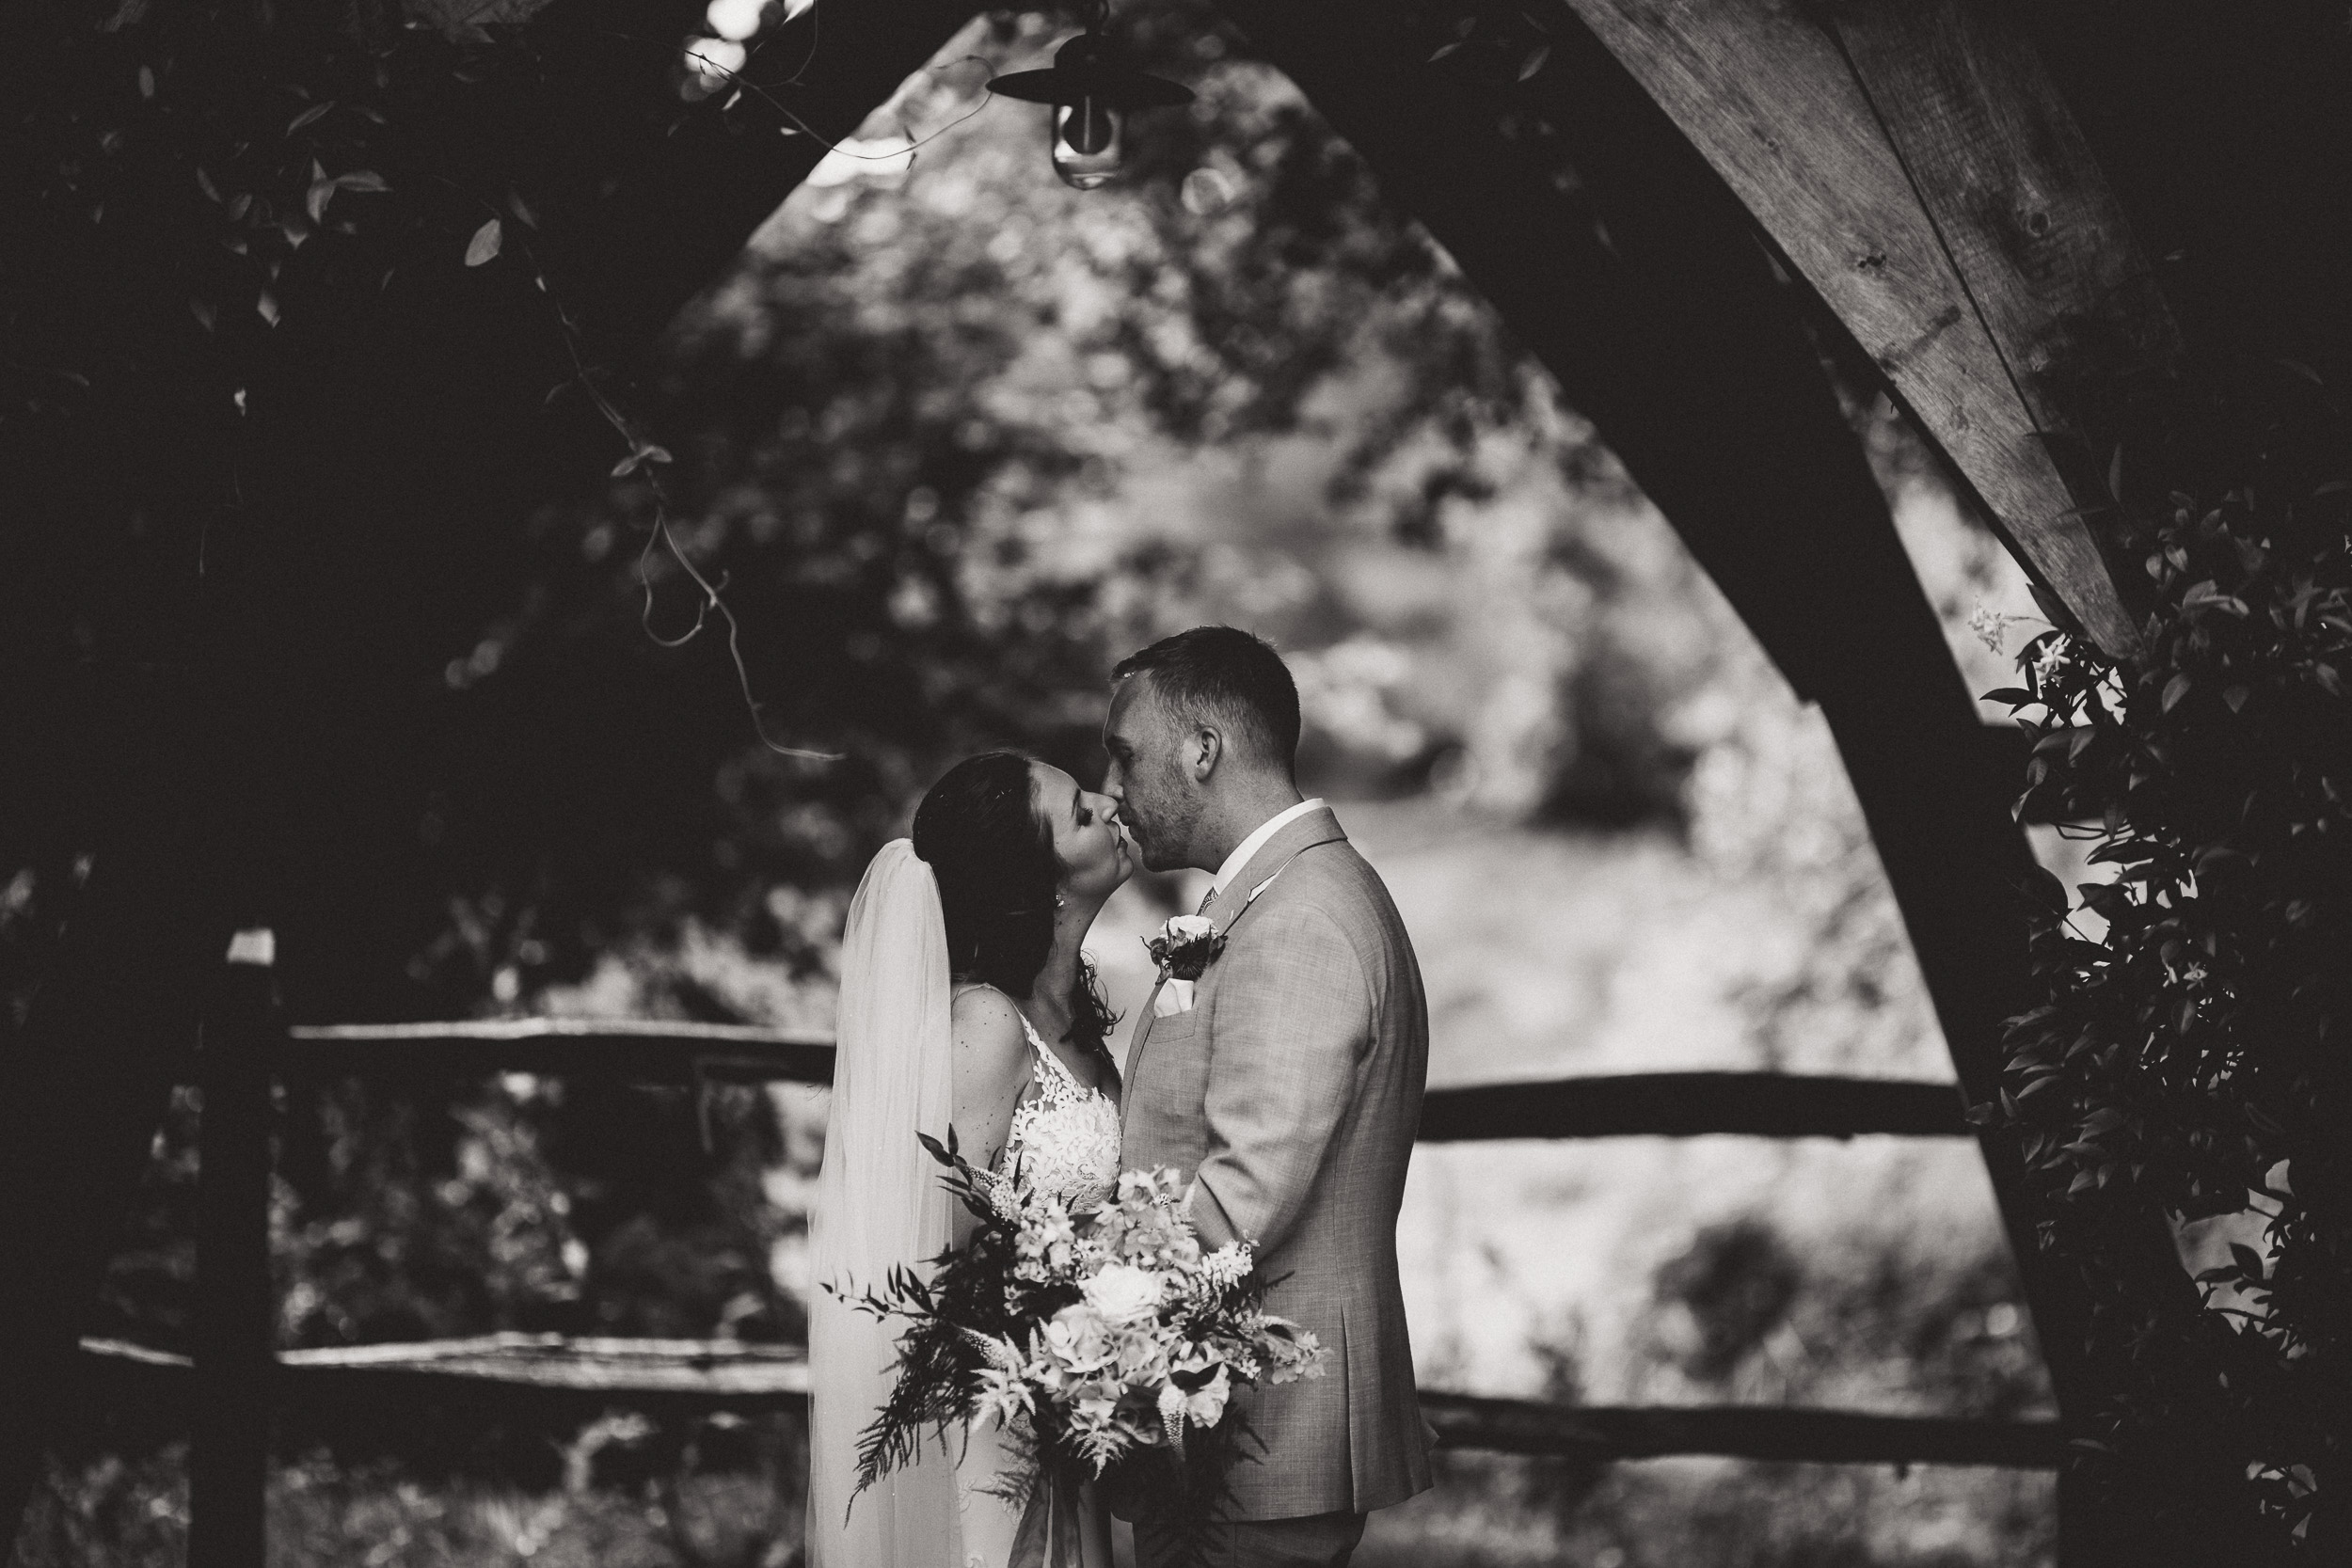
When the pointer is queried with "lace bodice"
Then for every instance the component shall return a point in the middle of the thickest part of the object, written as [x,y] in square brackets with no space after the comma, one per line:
[1067,1136]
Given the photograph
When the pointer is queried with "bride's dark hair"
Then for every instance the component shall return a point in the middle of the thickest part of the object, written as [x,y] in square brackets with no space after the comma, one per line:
[999,878]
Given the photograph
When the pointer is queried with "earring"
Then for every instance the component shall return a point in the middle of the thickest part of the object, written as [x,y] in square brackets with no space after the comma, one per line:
[1059,902]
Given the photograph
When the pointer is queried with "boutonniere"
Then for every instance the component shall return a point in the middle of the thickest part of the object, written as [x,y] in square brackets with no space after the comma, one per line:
[1185,946]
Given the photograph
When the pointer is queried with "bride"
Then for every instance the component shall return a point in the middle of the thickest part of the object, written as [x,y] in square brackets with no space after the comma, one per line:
[964,1002]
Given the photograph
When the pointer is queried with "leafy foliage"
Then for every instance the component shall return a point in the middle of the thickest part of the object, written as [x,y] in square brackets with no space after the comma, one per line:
[2191,1061]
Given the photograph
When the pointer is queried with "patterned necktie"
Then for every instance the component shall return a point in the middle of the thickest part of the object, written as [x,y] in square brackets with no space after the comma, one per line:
[1206,899]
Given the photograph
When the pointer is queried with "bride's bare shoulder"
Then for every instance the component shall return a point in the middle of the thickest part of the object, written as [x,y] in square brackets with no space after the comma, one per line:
[987,1025]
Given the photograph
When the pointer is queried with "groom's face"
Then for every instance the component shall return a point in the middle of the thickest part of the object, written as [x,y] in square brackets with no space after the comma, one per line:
[1156,799]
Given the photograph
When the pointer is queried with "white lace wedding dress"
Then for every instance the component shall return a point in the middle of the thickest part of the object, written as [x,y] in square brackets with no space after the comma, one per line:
[1065,1138]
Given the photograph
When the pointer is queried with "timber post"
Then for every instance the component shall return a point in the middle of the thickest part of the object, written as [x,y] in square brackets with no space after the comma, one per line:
[235,1320]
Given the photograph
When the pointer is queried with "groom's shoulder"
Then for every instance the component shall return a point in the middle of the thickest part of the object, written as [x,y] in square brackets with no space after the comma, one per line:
[1334,876]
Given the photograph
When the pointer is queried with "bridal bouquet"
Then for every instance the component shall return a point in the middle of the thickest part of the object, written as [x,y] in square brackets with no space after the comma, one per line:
[1090,1335]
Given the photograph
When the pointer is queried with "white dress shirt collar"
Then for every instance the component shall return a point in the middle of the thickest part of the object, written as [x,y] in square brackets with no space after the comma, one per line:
[1257,841]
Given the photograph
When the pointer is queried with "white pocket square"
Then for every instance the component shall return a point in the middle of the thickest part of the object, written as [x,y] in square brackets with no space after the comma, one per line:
[1175,997]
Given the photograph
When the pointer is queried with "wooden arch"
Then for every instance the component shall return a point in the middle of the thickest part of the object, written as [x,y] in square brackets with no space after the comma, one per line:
[1908,159]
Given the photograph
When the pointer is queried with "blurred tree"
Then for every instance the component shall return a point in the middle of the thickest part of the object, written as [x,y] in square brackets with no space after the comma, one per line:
[285,292]
[955,436]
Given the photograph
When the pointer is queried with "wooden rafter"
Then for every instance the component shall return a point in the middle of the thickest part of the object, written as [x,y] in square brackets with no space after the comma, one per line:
[1914,164]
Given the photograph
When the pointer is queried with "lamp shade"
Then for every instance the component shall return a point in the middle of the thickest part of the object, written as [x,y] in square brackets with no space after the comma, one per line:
[1086,69]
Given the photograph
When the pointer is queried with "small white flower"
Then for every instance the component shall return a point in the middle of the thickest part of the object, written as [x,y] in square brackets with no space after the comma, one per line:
[1002,1354]
[1205,1406]
[1990,625]
[1005,1396]
[1188,928]
[1172,1414]
[1225,1268]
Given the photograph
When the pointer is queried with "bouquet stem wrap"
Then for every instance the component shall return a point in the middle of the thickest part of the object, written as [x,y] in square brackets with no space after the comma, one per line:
[1050,1536]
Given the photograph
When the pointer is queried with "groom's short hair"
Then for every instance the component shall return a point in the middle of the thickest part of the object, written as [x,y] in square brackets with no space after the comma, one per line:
[1225,673]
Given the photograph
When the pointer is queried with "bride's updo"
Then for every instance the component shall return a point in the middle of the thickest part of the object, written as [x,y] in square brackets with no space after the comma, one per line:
[999,878]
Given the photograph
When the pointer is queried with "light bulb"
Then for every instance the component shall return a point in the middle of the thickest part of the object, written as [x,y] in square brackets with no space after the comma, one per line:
[735,19]
[1090,142]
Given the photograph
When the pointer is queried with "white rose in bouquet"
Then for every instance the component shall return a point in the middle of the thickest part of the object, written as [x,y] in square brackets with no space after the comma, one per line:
[1124,1293]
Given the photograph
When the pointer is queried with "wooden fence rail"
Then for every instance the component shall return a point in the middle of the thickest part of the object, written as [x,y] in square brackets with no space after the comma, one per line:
[558,1376]
[1683,1105]
[633,1052]
[551,1378]
[1744,1432]
[583,1377]
[1669,1104]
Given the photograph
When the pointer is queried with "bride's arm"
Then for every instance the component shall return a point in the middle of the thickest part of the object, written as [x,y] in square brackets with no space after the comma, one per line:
[992,1054]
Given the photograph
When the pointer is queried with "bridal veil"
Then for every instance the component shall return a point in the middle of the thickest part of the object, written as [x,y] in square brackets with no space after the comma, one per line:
[879,1205]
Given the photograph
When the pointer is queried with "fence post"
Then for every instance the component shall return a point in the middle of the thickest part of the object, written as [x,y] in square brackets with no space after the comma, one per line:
[235,1314]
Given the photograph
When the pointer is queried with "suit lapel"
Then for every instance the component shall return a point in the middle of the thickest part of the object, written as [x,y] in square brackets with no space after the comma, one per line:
[1316,827]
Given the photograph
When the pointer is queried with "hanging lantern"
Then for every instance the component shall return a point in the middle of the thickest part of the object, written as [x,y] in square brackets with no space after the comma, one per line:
[1091,91]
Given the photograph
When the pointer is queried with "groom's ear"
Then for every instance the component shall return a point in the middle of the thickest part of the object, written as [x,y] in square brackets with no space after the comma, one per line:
[1203,750]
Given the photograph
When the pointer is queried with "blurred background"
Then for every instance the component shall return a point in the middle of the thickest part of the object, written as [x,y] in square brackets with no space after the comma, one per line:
[956,438]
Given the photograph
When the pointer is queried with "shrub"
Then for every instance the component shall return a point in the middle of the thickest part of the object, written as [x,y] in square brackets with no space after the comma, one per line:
[2190,1061]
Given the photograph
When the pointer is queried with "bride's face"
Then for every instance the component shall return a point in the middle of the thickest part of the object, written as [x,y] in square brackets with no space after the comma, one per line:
[1093,852]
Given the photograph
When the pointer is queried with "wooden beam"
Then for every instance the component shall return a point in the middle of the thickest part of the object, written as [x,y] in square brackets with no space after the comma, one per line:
[2019,201]
[1766,95]
[1686,1104]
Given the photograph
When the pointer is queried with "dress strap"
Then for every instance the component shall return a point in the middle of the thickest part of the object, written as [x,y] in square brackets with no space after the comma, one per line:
[1053,1064]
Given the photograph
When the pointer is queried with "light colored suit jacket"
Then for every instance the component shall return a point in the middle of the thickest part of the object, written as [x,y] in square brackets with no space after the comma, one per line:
[1292,1089]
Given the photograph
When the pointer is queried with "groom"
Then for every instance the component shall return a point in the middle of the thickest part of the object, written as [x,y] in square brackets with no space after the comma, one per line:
[1285,1083]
